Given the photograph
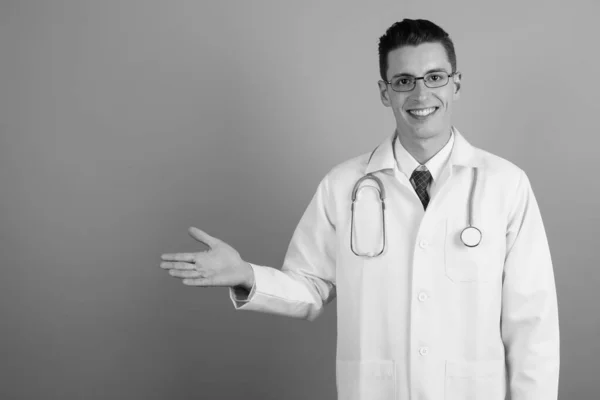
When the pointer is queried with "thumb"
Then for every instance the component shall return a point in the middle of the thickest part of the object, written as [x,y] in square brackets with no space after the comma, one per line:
[202,236]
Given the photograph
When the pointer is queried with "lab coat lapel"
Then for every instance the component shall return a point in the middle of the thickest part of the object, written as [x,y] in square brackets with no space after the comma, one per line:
[462,155]
[383,159]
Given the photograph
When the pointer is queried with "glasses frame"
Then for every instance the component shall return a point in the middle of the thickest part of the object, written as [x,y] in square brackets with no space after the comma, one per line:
[416,78]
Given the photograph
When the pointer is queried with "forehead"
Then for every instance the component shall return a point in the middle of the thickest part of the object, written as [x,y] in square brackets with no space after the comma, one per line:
[417,60]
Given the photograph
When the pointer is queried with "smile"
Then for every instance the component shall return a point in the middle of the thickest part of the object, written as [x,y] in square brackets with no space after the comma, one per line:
[423,112]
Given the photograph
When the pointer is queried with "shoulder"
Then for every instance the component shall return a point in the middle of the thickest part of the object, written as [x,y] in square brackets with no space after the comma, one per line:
[498,167]
[356,164]
[347,170]
[504,178]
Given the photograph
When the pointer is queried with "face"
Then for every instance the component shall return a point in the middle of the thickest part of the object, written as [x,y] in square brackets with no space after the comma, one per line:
[435,104]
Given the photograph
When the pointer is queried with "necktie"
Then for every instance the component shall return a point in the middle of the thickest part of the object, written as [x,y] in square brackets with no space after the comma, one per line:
[421,180]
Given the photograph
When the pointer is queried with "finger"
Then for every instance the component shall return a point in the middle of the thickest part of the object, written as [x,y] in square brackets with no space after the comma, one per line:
[187,257]
[202,236]
[184,274]
[178,265]
[197,282]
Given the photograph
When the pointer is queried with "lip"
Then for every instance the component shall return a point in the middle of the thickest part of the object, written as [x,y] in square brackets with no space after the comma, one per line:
[421,108]
[422,118]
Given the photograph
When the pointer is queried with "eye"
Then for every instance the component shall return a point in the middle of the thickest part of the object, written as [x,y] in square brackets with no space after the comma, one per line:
[403,81]
[435,77]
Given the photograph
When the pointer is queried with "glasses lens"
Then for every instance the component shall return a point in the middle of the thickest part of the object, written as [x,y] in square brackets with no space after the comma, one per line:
[403,83]
[436,79]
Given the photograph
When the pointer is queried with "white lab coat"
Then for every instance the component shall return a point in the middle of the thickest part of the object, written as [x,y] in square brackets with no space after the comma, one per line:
[429,319]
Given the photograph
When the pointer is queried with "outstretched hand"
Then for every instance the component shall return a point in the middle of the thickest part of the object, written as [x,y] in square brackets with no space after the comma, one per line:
[220,265]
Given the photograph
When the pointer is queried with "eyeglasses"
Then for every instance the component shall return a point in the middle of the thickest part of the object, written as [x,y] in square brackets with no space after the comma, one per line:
[406,83]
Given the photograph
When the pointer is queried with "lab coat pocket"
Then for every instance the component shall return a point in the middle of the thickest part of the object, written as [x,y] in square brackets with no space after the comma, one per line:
[371,379]
[482,263]
[475,380]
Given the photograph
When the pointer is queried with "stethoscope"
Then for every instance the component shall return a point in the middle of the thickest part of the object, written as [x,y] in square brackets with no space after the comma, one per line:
[470,236]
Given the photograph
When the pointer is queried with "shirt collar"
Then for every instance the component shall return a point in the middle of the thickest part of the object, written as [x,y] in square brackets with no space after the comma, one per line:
[462,154]
[407,163]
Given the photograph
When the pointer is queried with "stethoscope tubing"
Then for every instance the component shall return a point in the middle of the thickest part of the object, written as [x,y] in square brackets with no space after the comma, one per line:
[381,190]
[470,229]
[471,195]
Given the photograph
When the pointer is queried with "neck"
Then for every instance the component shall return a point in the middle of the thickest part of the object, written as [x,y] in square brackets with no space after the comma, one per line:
[423,149]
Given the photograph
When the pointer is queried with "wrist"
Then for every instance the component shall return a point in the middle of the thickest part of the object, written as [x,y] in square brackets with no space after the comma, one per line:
[249,280]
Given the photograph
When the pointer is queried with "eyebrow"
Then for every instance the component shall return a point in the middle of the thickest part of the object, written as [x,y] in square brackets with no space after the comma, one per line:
[428,72]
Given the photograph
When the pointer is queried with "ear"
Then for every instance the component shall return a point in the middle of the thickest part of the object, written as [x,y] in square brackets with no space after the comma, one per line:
[457,77]
[383,92]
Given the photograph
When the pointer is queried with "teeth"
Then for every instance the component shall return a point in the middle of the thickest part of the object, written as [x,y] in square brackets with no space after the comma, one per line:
[423,112]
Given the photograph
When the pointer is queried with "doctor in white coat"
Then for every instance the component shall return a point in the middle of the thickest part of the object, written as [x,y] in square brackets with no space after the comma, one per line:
[421,315]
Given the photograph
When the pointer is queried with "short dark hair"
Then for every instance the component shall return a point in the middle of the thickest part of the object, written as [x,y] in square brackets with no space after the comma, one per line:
[413,32]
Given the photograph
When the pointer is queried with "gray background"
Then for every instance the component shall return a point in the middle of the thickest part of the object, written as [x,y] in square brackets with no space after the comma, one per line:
[122,123]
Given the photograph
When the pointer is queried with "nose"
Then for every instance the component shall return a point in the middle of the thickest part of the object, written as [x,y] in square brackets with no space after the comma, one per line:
[420,91]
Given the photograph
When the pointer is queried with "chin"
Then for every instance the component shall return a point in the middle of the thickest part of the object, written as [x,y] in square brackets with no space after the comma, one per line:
[423,132]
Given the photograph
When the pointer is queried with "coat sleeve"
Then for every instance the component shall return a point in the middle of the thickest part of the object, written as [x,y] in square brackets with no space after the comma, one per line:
[529,323]
[306,281]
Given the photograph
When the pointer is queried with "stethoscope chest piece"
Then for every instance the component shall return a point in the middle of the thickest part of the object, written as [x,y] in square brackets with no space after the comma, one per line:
[470,236]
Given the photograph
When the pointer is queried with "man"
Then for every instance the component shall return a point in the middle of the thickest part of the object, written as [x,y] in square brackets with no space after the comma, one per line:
[453,295]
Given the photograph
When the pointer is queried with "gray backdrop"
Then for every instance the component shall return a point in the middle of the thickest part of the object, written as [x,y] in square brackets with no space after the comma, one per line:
[122,123]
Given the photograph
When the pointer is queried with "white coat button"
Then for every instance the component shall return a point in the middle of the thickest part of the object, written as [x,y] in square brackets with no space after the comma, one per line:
[422,296]
[423,244]
[423,351]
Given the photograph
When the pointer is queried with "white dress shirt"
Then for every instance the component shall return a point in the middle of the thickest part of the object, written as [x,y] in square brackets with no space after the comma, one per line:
[436,164]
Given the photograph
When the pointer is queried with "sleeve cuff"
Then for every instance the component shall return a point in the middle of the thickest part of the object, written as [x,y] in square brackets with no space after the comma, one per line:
[239,295]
